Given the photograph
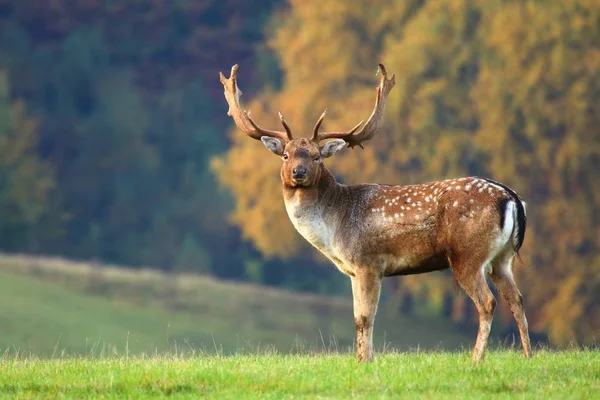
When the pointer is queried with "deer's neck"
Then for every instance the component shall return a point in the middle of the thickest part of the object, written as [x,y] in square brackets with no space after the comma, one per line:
[311,210]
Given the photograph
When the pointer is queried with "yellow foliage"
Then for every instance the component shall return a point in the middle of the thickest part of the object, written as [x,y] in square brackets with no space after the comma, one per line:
[510,90]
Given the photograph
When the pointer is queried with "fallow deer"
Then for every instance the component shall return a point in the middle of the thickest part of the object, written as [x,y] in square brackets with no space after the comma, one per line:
[472,225]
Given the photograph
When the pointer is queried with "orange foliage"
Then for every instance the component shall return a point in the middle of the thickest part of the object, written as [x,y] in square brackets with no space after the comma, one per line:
[510,90]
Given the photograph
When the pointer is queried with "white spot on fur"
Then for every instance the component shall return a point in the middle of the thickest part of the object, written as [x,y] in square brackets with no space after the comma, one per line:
[455,204]
[500,188]
[457,187]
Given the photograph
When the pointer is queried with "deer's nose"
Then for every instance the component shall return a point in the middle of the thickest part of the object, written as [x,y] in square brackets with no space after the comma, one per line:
[299,172]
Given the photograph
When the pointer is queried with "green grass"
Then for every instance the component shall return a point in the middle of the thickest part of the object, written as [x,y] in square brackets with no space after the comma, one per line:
[75,330]
[506,374]
[56,307]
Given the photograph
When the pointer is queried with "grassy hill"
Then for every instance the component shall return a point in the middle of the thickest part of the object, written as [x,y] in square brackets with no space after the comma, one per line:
[52,306]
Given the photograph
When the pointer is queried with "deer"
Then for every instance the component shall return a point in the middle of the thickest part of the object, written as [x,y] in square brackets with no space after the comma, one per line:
[473,226]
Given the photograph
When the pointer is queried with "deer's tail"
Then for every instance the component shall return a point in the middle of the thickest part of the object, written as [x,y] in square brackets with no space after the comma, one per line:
[520,215]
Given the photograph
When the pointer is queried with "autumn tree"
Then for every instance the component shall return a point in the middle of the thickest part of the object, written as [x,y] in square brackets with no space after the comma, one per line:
[507,90]
[538,100]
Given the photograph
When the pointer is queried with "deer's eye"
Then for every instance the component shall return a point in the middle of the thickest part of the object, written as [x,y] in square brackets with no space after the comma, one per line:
[317,159]
[286,156]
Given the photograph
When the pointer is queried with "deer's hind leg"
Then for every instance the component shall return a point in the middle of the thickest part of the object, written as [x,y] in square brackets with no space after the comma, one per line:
[504,281]
[470,274]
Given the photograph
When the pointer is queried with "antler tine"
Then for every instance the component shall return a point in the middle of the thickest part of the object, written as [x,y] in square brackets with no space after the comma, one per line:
[242,118]
[337,135]
[315,137]
[286,127]
[373,123]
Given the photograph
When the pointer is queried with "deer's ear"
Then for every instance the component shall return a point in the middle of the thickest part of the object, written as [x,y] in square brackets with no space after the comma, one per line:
[332,147]
[273,144]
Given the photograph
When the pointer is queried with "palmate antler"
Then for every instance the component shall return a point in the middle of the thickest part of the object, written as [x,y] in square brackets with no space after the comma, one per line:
[373,123]
[242,118]
[247,125]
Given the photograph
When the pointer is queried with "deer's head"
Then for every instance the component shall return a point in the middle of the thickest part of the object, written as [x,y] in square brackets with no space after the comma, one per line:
[303,158]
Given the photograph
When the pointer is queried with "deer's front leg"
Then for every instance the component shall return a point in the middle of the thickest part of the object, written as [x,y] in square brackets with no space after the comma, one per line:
[366,287]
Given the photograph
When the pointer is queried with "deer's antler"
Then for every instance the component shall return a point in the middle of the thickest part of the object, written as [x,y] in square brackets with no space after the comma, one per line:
[372,126]
[242,118]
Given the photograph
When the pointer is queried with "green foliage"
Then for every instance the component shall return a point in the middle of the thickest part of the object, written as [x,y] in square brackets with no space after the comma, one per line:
[192,257]
[127,124]
[25,180]
[265,374]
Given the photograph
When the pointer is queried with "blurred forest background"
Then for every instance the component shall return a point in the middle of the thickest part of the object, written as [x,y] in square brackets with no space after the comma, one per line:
[115,145]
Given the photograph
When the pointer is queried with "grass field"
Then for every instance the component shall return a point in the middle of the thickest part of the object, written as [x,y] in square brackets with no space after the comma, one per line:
[506,374]
[75,330]
[61,308]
